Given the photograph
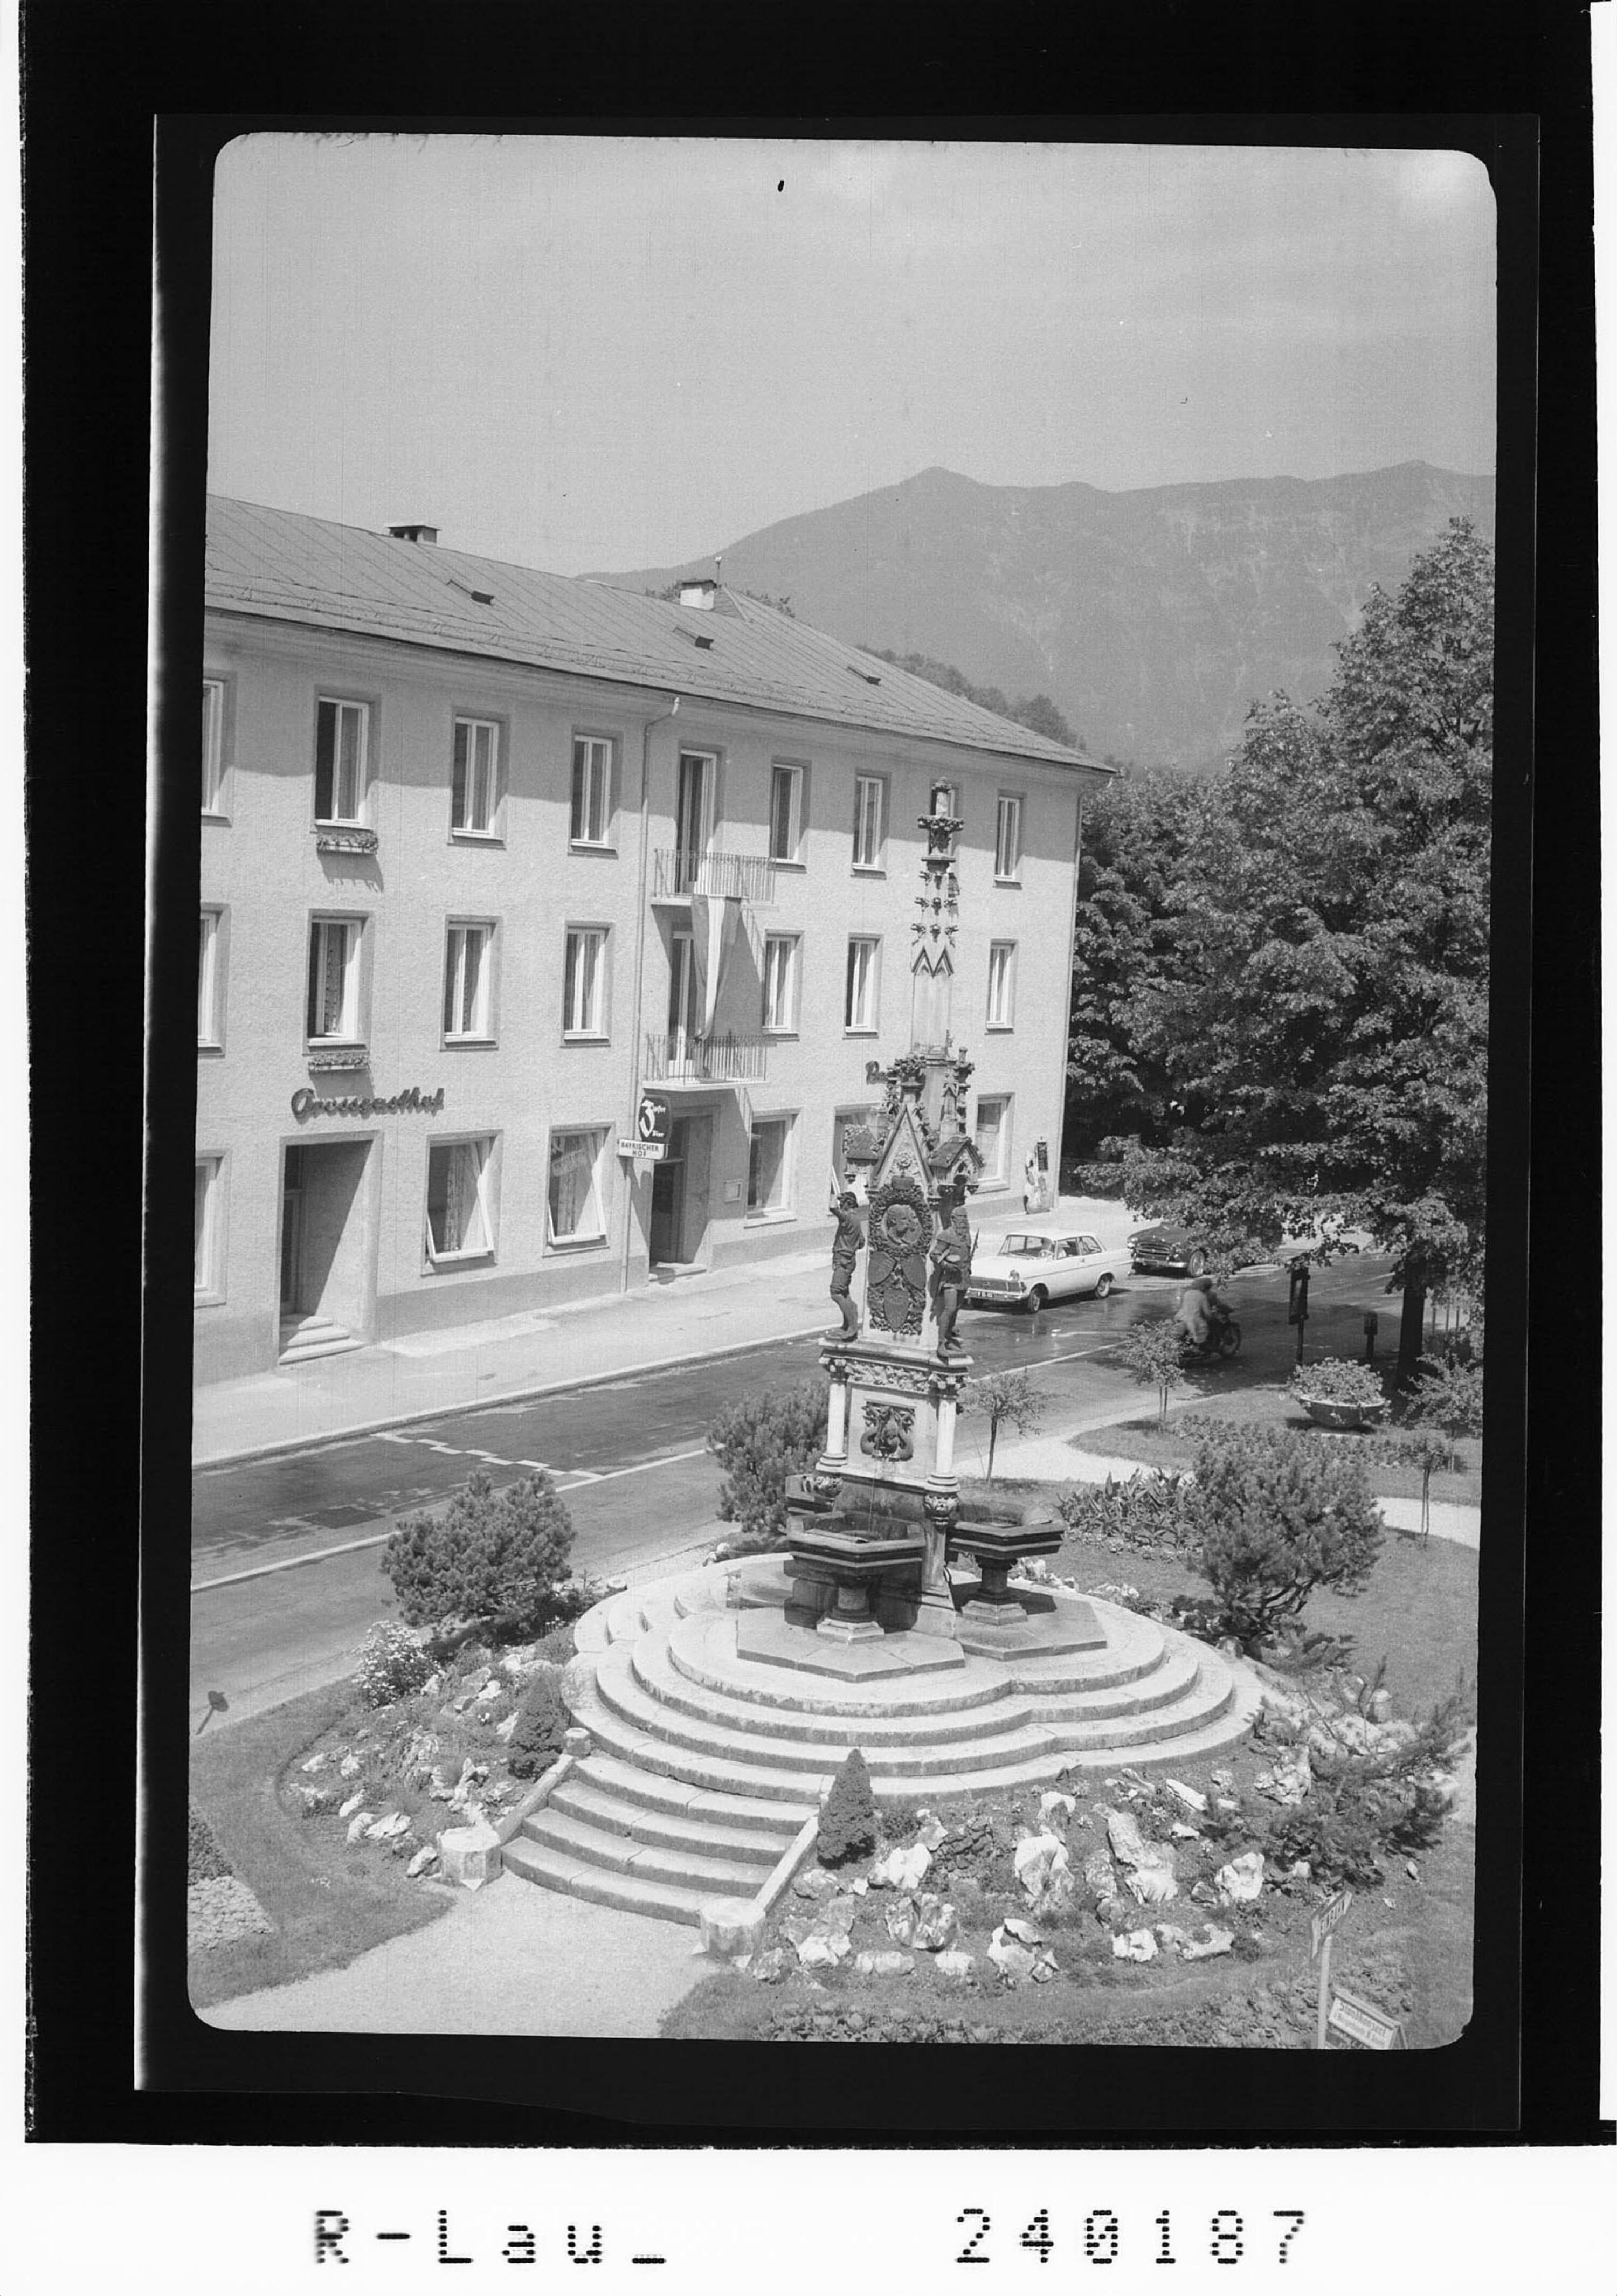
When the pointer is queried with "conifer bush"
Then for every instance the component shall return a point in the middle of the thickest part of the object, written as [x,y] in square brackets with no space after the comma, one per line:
[542,1724]
[1279,1517]
[847,1822]
[759,1440]
[492,1559]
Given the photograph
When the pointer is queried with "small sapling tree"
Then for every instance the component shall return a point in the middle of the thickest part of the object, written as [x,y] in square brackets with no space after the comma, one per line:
[1281,1515]
[1447,1396]
[1152,1351]
[492,1562]
[847,1822]
[759,1440]
[1005,1399]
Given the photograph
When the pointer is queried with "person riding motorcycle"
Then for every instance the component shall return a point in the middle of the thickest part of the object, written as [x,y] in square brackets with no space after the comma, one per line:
[1202,1314]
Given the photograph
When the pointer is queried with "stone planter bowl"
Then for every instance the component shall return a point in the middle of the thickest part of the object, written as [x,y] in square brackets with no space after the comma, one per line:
[1342,1416]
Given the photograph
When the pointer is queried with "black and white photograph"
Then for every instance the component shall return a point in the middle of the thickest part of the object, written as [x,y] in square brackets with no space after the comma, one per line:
[842,1090]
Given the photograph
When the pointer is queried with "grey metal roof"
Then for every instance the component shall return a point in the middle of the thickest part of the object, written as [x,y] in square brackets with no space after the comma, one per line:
[290,567]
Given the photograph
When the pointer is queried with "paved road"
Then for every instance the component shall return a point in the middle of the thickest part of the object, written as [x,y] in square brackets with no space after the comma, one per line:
[629,1456]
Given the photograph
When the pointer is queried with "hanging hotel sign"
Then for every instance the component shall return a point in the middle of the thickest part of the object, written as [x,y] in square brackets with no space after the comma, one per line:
[643,1151]
[306,1103]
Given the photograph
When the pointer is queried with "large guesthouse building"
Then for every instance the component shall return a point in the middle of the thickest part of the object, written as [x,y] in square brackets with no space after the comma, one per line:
[551,935]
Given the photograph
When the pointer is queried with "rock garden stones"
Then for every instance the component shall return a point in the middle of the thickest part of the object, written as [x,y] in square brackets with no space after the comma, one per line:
[425,1859]
[1133,1945]
[1241,1882]
[470,1854]
[902,1869]
[884,1964]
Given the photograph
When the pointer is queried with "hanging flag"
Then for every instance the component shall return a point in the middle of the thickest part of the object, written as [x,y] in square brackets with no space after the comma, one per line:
[713,928]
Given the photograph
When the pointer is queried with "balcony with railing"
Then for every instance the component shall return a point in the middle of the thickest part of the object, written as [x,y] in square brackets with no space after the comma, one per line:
[681,1058]
[678,872]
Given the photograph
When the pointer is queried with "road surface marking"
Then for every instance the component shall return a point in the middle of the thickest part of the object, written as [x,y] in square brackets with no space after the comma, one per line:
[580,1475]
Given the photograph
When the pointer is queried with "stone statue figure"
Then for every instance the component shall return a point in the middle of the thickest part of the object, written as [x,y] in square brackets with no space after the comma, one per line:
[951,1258]
[845,1247]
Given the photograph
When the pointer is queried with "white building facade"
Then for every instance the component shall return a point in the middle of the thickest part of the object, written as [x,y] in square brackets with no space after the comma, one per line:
[489,858]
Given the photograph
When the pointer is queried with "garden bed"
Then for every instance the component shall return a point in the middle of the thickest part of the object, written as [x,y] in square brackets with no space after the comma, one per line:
[1175,1447]
[273,1796]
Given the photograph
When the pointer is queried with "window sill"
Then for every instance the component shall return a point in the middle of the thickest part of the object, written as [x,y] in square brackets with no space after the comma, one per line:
[472,1044]
[344,836]
[584,846]
[571,1243]
[1012,883]
[208,1298]
[999,1028]
[447,1262]
[220,820]
[850,1031]
[584,1038]
[777,1218]
[785,861]
[340,1053]
[477,836]
[209,1051]
[781,1036]
[869,869]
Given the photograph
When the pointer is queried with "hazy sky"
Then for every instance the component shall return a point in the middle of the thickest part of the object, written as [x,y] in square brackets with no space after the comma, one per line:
[612,352]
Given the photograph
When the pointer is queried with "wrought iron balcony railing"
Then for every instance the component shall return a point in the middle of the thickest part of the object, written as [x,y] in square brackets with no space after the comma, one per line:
[678,872]
[681,1058]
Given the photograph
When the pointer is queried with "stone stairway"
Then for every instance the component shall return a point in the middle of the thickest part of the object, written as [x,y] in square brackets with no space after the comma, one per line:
[705,1765]
[306,1336]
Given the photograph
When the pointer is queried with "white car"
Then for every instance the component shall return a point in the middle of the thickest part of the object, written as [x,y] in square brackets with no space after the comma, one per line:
[1028,1270]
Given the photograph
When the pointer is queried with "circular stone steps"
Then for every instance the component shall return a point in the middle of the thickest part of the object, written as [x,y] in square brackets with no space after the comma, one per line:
[705,1765]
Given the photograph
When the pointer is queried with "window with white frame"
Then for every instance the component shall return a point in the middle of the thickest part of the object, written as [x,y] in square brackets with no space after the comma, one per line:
[592,783]
[584,982]
[863,986]
[332,1015]
[869,824]
[1002,984]
[574,1211]
[780,980]
[994,1136]
[785,812]
[205,1229]
[213,744]
[475,778]
[769,1164]
[208,1026]
[460,1213]
[341,737]
[1007,840]
[468,983]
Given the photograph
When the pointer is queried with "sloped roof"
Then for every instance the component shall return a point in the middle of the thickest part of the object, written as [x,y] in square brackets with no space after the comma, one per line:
[290,567]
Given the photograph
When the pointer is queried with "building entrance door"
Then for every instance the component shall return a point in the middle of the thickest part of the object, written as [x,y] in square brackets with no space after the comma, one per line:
[668,1199]
[325,1243]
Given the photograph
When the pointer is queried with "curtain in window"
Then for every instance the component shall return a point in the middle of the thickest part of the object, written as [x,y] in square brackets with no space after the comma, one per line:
[574,1203]
[765,1162]
[456,1219]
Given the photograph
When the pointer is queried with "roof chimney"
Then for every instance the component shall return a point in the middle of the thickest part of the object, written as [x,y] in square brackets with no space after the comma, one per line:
[413,531]
[699,595]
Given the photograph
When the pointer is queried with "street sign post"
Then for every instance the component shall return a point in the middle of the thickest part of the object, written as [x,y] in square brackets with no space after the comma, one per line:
[1320,1930]
[1361,2020]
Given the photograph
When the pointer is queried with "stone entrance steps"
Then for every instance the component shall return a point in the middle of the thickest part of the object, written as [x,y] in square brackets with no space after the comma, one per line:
[303,1337]
[705,1766]
[621,1836]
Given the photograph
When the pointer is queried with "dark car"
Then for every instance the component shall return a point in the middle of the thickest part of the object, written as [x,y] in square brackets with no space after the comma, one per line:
[1170,1250]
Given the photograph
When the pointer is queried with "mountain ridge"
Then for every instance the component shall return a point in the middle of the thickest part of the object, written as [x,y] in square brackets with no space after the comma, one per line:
[1153,617]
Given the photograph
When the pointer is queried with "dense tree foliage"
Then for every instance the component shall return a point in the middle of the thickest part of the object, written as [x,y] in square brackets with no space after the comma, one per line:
[492,1559]
[1036,711]
[1309,1012]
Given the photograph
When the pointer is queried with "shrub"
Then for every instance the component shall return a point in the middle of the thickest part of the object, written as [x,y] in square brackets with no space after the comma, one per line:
[847,1822]
[1006,1399]
[758,1440]
[542,1724]
[1279,1517]
[1154,1351]
[492,1559]
[1148,1513]
[391,1664]
[1447,1396]
[205,1861]
[1337,1379]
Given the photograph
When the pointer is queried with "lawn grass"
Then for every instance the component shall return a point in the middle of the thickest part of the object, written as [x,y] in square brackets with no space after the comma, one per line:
[330,1902]
[1175,1447]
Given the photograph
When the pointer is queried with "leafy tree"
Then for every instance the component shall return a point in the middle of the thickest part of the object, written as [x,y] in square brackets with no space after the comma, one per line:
[847,1821]
[759,1440]
[1446,1395]
[1037,712]
[1154,1351]
[1125,952]
[1008,1398]
[1280,1515]
[1323,1026]
[492,1559]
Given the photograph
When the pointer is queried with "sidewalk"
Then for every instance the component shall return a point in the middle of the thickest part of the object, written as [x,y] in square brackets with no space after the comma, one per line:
[728,1311]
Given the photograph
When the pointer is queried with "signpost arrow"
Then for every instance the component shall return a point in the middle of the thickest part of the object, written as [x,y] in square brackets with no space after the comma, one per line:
[1320,1929]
